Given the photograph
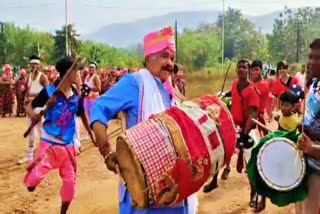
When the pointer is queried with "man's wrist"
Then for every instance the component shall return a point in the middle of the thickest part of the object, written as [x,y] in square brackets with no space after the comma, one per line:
[107,155]
[104,149]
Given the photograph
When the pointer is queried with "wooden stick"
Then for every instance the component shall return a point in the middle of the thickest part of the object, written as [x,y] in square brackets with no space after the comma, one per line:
[114,133]
[225,77]
[305,97]
[261,125]
[121,115]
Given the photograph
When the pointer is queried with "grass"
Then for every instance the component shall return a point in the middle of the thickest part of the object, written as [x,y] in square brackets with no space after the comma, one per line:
[203,82]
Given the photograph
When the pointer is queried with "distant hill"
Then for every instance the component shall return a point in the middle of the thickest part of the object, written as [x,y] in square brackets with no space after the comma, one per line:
[130,33]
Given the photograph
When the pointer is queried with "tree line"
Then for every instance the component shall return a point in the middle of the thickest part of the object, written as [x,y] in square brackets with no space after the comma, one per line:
[198,48]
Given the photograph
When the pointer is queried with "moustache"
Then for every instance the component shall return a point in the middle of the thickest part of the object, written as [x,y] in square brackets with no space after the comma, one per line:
[168,68]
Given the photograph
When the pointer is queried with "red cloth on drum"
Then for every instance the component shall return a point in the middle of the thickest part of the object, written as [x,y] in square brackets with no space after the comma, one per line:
[198,152]
[226,126]
[153,146]
[241,103]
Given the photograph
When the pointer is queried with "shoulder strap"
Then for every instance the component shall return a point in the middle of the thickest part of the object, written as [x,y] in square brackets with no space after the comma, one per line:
[288,84]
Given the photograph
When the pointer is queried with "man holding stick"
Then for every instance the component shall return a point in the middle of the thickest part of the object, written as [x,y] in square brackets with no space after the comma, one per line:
[56,147]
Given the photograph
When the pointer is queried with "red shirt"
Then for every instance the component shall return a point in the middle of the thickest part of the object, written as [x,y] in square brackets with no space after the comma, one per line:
[278,86]
[263,91]
[241,103]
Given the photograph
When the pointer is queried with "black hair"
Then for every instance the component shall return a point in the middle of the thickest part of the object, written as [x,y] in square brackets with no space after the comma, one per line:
[315,44]
[256,63]
[272,72]
[63,66]
[34,57]
[282,64]
[175,68]
[94,62]
[289,96]
[245,61]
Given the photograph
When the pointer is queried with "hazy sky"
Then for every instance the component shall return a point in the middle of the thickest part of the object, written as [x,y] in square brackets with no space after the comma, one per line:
[89,15]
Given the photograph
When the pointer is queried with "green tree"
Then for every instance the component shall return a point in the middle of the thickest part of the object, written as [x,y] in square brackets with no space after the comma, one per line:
[106,55]
[23,42]
[291,34]
[200,48]
[74,42]
[241,36]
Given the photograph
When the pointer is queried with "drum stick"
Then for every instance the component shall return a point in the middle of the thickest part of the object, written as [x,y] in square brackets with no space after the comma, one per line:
[304,100]
[225,77]
[261,125]
[121,115]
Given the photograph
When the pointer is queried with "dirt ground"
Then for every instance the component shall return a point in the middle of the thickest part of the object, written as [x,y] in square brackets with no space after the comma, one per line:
[96,187]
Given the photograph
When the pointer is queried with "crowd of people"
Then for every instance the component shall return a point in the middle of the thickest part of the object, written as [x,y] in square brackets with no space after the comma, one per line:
[259,93]
[15,88]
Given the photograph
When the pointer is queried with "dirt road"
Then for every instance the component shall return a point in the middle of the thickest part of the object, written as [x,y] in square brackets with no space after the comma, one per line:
[96,187]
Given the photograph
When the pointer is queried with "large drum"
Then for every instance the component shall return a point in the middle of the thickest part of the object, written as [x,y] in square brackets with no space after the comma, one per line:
[277,170]
[171,155]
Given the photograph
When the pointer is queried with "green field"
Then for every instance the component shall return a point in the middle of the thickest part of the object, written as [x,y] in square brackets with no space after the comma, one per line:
[203,82]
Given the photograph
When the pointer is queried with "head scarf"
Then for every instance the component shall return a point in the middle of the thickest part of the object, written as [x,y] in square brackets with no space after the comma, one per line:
[157,41]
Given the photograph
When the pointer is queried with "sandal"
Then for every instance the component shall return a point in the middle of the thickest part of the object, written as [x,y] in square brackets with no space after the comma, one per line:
[225,173]
[261,205]
[212,185]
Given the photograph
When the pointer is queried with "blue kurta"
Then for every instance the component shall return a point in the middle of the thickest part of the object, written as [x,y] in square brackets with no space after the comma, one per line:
[124,96]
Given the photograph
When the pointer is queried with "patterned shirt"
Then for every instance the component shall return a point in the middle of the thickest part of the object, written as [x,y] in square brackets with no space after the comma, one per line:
[312,112]
[59,125]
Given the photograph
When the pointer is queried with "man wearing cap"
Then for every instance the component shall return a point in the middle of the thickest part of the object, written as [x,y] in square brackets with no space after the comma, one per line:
[139,95]
[36,82]
[93,81]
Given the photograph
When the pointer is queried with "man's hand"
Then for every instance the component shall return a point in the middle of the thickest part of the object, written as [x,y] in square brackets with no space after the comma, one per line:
[110,158]
[111,162]
[35,118]
[304,144]
[221,94]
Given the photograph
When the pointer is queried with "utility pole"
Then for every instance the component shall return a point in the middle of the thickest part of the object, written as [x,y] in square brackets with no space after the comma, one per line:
[298,41]
[66,14]
[176,38]
[222,37]
[2,38]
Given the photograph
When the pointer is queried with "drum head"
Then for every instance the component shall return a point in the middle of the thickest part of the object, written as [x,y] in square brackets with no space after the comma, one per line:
[132,173]
[280,164]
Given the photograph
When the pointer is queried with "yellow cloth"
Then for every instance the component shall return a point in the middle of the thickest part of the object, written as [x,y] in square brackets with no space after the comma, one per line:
[289,123]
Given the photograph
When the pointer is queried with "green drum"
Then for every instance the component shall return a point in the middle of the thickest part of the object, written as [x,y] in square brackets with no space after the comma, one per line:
[227,101]
[277,171]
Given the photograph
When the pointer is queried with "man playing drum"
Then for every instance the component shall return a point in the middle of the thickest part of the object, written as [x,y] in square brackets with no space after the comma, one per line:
[139,95]
[245,106]
[309,141]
